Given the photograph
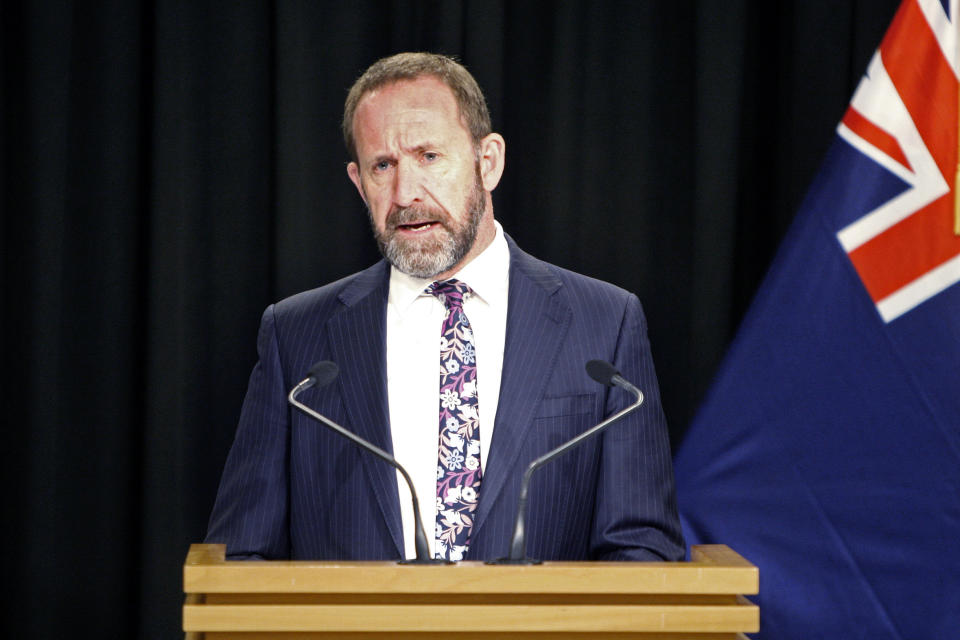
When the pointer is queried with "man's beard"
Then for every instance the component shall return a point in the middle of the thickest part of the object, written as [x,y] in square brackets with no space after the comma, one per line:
[430,256]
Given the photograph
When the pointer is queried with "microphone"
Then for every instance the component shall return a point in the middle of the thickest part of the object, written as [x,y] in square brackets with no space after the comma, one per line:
[322,374]
[606,374]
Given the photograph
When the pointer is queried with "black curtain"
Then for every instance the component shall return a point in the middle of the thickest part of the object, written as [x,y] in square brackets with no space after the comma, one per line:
[170,168]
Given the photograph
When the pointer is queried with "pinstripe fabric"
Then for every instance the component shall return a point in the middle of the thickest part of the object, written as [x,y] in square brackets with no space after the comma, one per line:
[292,489]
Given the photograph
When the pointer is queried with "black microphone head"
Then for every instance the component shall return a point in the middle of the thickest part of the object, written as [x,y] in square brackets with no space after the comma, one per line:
[602,371]
[324,372]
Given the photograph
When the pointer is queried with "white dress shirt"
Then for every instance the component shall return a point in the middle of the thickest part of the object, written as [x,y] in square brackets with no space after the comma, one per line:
[414,321]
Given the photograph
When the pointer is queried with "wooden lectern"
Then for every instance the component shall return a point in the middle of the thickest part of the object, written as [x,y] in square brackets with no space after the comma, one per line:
[295,599]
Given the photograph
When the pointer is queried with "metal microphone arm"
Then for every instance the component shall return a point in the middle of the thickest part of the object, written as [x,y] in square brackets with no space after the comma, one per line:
[518,545]
[420,537]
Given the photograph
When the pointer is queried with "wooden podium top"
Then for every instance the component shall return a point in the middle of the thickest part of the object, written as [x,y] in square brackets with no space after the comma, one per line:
[306,599]
[714,569]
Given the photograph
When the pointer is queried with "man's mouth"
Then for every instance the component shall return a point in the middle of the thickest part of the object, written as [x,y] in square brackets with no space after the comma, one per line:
[417,227]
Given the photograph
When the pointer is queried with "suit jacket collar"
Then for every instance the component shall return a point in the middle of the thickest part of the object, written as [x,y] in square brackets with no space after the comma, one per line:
[538,318]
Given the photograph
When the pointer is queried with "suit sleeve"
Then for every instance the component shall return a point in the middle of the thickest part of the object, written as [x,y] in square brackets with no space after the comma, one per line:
[635,516]
[251,509]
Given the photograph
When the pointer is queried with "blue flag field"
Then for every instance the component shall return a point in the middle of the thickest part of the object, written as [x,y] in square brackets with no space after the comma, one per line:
[827,451]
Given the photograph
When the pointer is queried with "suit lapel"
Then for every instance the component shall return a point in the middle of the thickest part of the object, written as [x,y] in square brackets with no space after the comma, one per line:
[357,337]
[537,323]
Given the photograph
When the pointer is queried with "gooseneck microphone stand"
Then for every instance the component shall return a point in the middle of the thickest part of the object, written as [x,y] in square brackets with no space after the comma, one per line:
[322,374]
[604,373]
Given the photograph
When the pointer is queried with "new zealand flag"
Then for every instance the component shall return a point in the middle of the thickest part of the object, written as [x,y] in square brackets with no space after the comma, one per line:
[827,451]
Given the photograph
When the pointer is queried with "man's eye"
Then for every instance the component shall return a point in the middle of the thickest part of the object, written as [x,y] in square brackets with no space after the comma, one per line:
[430,156]
[381,166]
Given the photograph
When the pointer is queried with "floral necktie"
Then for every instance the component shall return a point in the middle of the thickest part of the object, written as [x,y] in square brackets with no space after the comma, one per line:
[458,468]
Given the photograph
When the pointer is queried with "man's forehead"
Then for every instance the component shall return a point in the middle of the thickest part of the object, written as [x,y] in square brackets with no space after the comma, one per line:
[424,92]
[417,106]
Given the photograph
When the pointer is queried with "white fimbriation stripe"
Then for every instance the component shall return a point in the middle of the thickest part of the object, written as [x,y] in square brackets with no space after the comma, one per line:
[920,290]
[944,30]
[878,100]
[874,154]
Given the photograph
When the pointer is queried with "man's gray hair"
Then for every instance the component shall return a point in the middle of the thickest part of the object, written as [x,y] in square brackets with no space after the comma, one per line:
[410,66]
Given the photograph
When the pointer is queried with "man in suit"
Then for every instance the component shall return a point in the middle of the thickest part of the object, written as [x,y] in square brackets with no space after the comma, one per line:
[516,335]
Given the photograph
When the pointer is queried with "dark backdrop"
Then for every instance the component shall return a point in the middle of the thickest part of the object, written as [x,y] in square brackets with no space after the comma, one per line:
[170,168]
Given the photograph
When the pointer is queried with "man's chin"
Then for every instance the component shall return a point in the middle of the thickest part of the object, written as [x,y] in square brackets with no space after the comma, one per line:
[429,254]
[426,272]
[420,262]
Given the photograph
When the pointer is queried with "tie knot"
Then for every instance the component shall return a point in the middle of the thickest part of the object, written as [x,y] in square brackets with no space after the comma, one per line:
[450,292]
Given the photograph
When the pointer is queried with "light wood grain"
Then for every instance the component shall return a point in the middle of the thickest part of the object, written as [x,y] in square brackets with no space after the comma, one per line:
[493,618]
[465,635]
[355,600]
[719,571]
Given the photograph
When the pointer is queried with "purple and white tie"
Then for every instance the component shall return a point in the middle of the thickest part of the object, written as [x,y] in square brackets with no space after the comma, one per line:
[458,468]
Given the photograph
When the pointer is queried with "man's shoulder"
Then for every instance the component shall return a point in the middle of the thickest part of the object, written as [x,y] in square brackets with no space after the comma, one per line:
[345,291]
[554,278]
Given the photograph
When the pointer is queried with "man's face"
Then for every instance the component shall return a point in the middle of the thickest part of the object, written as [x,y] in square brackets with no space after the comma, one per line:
[418,171]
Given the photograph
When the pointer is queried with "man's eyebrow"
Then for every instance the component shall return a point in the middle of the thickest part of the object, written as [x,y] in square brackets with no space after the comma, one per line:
[384,157]
[422,147]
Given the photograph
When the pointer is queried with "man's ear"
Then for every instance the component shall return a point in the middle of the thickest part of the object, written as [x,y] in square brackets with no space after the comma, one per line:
[493,150]
[354,172]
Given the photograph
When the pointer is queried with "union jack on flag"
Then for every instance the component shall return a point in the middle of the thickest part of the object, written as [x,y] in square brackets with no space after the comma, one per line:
[903,117]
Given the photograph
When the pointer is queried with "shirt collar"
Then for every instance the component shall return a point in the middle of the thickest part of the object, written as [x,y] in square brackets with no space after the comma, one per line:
[487,275]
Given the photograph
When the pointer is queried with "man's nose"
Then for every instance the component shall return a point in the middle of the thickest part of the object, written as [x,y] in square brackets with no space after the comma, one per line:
[408,184]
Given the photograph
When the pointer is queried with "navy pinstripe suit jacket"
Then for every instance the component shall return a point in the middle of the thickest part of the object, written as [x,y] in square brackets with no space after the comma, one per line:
[293,489]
